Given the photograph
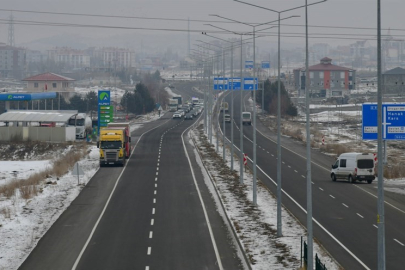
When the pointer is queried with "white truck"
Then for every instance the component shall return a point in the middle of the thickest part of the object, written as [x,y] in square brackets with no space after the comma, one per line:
[194,101]
[246,118]
[173,104]
[82,123]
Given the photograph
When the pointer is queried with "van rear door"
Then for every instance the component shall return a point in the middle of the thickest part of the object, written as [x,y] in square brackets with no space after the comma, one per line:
[365,166]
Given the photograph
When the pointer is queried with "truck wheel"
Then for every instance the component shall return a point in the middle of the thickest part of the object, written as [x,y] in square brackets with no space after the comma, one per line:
[369,181]
[333,178]
[351,180]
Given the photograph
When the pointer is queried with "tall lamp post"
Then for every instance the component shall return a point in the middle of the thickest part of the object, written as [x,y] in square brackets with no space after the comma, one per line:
[255,84]
[309,182]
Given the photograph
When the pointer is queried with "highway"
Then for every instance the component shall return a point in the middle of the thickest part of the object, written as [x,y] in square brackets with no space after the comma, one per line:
[345,215]
[156,213]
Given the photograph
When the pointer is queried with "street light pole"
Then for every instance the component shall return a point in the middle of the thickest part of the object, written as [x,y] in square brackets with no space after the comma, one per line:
[380,168]
[223,112]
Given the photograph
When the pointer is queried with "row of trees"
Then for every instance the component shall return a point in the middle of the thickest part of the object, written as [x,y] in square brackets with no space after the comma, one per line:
[270,99]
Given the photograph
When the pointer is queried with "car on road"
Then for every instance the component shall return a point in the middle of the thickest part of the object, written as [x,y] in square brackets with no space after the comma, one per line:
[181,111]
[188,116]
[227,118]
[194,112]
[177,115]
[354,167]
[185,108]
[246,118]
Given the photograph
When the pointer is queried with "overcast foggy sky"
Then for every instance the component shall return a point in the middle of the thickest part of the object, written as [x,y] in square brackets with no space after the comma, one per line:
[353,13]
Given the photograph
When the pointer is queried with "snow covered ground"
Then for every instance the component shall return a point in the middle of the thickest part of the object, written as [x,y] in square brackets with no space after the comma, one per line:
[256,227]
[24,222]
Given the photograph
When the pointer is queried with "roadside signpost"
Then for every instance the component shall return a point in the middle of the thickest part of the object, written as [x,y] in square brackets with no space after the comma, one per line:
[393,122]
[220,83]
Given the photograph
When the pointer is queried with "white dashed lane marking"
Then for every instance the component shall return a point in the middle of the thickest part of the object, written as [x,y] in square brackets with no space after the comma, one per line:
[149,250]
[359,215]
[321,189]
[345,205]
[331,196]
[375,226]
[152,221]
[150,234]
[154,200]
[399,242]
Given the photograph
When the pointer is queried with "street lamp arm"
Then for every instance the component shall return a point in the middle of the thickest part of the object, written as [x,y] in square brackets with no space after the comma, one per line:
[290,9]
[224,29]
[248,24]
[253,5]
[209,43]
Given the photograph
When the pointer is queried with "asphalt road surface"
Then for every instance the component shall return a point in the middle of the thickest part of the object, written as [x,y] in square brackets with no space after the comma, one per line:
[154,217]
[345,215]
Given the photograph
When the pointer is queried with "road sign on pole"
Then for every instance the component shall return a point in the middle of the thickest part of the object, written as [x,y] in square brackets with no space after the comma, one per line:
[393,122]
[244,159]
[265,64]
[250,83]
[220,83]
[248,64]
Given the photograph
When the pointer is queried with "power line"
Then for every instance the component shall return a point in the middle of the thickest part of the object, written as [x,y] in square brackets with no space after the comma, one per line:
[185,20]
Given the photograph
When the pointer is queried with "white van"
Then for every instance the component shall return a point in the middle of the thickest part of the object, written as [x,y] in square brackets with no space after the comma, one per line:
[354,167]
[246,118]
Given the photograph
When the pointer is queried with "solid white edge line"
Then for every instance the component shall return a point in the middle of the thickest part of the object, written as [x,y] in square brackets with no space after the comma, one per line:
[202,203]
[108,200]
[314,220]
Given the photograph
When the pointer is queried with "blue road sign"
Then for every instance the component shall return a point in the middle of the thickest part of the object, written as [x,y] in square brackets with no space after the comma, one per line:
[265,64]
[220,83]
[248,64]
[235,82]
[393,121]
[249,83]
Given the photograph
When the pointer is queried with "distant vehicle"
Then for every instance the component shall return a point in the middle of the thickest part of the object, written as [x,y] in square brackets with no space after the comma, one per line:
[171,86]
[194,112]
[177,115]
[179,101]
[224,107]
[82,123]
[182,112]
[173,104]
[194,101]
[227,118]
[185,108]
[354,167]
[188,116]
[246,118]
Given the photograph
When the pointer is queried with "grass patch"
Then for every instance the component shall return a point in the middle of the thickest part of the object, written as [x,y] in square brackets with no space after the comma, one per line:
[28,188]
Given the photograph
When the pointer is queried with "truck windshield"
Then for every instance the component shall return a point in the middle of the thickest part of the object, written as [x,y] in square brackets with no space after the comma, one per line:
[111,145]
[246,116]
[365,163]
[79,122]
